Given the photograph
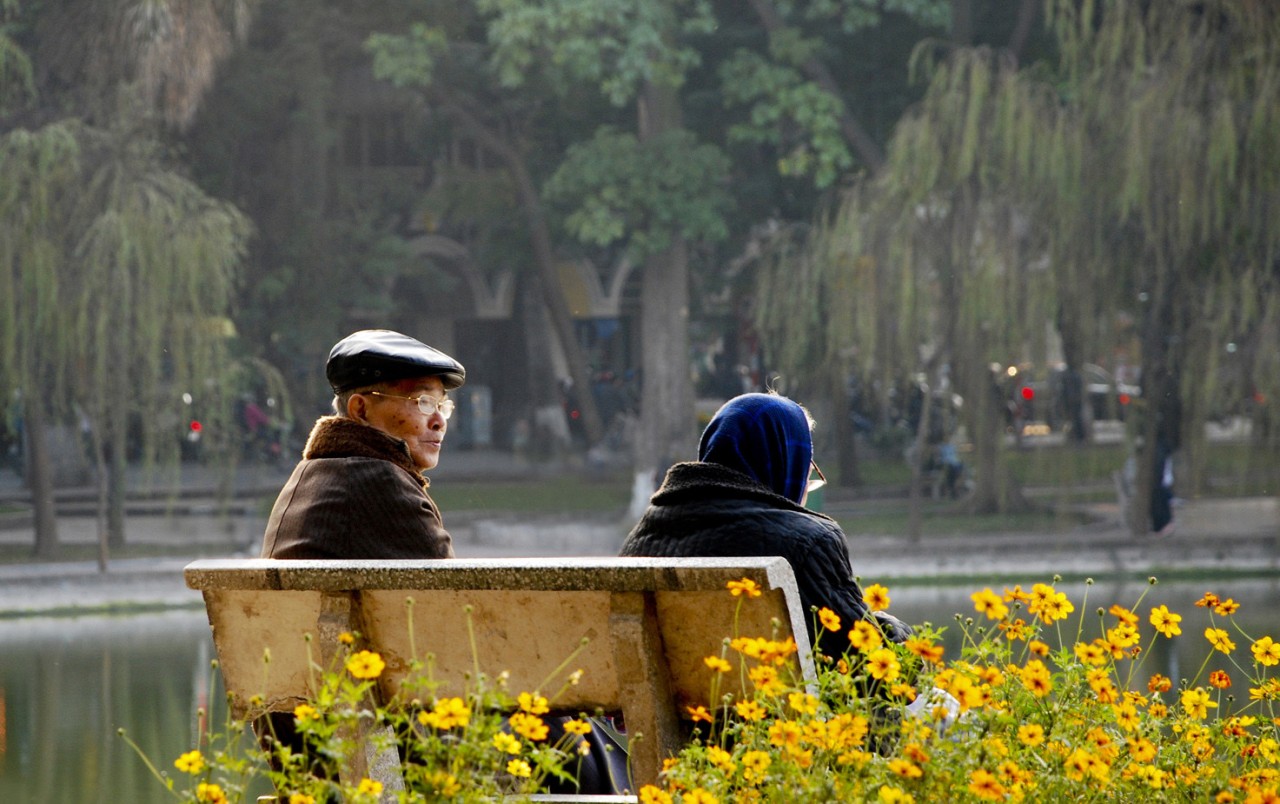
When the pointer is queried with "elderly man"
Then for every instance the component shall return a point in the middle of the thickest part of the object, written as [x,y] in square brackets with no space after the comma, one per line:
[358,492]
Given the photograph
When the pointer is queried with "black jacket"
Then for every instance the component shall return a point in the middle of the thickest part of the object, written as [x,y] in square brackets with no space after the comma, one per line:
[705,509]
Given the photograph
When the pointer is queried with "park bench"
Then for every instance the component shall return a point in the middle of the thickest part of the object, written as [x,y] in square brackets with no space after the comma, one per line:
[648,622]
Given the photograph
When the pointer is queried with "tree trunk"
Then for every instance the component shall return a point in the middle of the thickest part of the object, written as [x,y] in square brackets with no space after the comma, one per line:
[40,479]
[1073,398]
[846,435]
[1161,425]
[544,258]
[666,431]
[919,452]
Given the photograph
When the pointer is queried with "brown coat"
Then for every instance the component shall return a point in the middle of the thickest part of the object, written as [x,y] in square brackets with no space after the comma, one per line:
[355,495]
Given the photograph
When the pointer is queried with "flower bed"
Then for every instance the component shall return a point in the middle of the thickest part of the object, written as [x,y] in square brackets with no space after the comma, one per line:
[1047,700]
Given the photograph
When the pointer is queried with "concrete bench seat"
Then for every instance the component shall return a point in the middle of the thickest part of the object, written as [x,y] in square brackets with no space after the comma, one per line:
[648,624]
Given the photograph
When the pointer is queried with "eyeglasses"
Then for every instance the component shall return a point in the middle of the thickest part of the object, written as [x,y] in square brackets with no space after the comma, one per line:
[818,482]
[426,404]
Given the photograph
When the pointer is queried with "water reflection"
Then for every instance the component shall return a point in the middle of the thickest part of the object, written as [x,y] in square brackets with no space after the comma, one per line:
[66,685]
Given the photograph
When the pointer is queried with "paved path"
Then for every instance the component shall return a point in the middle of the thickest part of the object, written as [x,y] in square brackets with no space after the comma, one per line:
[1213,535]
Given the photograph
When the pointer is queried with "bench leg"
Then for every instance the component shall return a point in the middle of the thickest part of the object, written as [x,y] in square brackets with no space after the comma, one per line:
[654,730]
[338,614]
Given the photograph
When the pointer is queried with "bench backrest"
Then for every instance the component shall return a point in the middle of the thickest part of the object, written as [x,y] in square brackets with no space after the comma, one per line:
[648,625]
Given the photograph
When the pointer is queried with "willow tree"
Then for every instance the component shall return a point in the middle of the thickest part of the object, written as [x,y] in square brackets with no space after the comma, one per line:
[1168,179]
[1138,178]
[114,269]
[930,268]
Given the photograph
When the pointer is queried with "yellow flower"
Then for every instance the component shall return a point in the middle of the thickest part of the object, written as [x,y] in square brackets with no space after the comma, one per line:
[346,638]
[699,796]
[746,586]
[652,795]
[578,727]
[506,743]
[370,787]
[1123,615]
[1126,716]
[864,636]
[749,710]
[1031,734]
[1266,651]
[876,597]
[1227,607]
[301,798]
[1038,648]
[766,680]
[533,703]
[925,649]
[191,762]
[528,726]
[717,664]
[803,702]
[1166,622]
[1035,677]
[1049,604]
[785,732]
[894,795]
[829,619]
[989,603]
[754,765]
[520,768]
[984,785]
[1092,653]
[721,758]
[446,714]
[304,712]
[1219,639]
[211,793]
[1196,702]
[365,664]
[905,768]
[699,713]
[1141,749]
[883,665]
[444,784]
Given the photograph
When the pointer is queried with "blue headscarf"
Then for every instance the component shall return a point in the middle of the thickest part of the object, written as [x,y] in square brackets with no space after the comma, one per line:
[764,436]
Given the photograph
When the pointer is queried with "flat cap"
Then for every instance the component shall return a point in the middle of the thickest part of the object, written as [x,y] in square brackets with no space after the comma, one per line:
[372,356]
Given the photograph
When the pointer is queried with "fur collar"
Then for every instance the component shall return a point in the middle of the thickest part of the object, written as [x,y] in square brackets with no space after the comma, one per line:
[340,437]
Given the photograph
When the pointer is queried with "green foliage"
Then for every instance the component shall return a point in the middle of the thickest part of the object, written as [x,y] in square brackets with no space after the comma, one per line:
[644,193]
[619,45]
[410,59]
[855,15]
[781,100]
[17,78]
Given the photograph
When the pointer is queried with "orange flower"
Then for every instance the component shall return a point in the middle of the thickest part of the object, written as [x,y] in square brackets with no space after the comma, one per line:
[746,586]
[699,713]
[829,619]
[1220,680]
[876,597]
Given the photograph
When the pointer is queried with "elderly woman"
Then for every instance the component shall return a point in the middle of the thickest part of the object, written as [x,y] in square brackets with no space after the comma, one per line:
[744,496]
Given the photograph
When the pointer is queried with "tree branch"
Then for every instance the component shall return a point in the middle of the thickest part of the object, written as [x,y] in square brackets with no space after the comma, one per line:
[854,134]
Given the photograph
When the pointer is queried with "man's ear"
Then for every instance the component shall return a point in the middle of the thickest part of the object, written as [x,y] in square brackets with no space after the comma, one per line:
[357,408]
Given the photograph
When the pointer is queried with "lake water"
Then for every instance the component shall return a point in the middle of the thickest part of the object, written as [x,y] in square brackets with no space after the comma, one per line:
[68,684]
